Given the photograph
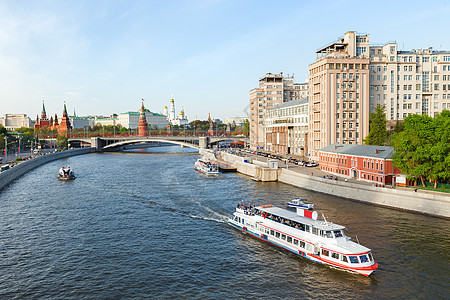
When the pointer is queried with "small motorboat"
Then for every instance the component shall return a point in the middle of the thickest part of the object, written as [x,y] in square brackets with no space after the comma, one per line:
[66,173]
[301,203]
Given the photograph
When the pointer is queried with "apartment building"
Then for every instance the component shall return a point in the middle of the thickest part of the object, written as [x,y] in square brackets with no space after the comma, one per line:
[409,82]
[339,93]
[273,89]
[286,128]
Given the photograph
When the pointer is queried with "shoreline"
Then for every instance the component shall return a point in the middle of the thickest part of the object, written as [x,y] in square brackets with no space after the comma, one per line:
[432,204]
[8,176]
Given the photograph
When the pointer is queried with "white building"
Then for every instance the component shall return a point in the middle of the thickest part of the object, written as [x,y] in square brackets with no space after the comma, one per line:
[409,82]
[174,119]
[286,128]
[131,119]
[83,122]
[14,121]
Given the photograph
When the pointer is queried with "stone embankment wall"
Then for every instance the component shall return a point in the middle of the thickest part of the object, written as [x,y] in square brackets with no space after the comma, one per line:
[6,177]
[426,203]
[435,204]
[244,165]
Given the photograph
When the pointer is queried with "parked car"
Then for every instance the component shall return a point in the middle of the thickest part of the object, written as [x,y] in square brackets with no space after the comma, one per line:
[312,164]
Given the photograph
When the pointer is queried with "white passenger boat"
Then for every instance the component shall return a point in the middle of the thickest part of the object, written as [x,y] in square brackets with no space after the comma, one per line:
[206,167]
[302,234]
[66,173]
[302,203]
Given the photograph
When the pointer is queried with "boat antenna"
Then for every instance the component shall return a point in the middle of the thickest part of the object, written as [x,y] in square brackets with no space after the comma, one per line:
[326,223]
[357,239]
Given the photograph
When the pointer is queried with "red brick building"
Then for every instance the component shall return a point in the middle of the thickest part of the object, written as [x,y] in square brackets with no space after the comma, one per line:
[43,122]
[362,162]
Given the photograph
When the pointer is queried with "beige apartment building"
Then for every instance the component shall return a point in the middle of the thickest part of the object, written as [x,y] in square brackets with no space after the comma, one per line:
[273,89]
[286,128]
[409,82]
[339,93]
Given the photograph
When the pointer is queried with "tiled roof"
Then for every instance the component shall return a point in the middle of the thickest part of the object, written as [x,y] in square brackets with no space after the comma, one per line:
[384,152]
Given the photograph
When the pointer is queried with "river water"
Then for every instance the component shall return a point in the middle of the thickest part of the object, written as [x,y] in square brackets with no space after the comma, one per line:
[146,225]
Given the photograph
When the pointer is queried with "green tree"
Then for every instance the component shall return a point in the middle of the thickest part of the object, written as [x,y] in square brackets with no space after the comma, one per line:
[377,128]
[422,149]
[246,127]
[62,141]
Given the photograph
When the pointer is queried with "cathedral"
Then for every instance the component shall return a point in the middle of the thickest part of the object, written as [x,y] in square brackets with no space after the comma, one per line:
[173,119]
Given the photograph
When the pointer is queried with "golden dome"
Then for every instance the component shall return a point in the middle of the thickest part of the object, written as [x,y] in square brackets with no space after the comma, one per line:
[172,101]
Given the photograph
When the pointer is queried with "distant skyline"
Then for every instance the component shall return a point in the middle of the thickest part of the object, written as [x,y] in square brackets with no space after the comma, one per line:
[103,57]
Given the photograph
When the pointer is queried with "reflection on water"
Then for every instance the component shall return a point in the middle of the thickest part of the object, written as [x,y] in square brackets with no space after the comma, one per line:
[147,225]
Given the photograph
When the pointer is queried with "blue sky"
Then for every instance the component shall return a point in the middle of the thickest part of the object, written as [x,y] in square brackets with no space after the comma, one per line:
[102,57]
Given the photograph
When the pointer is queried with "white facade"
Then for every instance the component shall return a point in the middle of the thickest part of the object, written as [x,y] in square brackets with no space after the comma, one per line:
[131,119]
[14,121]
[286,127]
[83,122]
[409,82]
[174,119]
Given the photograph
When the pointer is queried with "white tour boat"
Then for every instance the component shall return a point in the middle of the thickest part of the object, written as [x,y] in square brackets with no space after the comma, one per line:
[302,203]
[206,167]
[66,173]
[302,234]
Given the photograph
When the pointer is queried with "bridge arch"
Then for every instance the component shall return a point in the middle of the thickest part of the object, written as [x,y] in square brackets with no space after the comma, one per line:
[145,140]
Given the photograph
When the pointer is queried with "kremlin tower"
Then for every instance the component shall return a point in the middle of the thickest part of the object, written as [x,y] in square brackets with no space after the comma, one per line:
[43,121]
[142,125]
[65,126]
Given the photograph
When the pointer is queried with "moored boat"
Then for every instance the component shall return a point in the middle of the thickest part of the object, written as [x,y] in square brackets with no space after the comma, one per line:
[206,167]
[66,173]
[303,234]
[301,203]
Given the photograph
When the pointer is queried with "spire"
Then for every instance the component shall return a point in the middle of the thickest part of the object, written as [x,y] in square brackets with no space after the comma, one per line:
[43,106]
[65,110]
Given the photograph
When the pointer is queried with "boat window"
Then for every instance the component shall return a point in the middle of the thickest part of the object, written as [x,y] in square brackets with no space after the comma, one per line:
[296,242]
[309,247]
[329,234]
[370,256]
[242,220]
[315,231]
[302,244]
[283,237]
[267,231]
[277,234]
[334,255]
[307,228]
[261,228]
[354,259]
[239,219]
[325,252]
[344,258]
[363,258]
[272,232]
[337,233]
[289,239]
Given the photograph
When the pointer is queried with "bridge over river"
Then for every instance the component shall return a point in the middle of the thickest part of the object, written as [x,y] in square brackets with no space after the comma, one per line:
[118,143]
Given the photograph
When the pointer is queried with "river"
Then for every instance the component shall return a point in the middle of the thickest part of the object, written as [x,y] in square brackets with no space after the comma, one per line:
[146,225]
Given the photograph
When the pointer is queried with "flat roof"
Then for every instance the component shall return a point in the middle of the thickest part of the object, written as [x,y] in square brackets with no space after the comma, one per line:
[290,103]
[290,215]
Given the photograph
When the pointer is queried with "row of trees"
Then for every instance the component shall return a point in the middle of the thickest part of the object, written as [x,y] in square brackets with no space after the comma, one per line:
[421,144]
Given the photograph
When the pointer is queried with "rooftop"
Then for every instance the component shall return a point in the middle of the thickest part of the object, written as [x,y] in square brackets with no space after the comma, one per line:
[290,103]
[384,152]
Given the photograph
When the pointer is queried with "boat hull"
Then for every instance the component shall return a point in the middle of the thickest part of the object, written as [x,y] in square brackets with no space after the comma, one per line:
[366,271]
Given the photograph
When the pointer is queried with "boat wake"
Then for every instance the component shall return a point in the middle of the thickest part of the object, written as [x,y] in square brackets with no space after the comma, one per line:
[223,219]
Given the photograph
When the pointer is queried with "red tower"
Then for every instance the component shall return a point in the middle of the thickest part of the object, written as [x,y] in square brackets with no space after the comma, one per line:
[142,125]
[64,126]
[55,122]
[43,121]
